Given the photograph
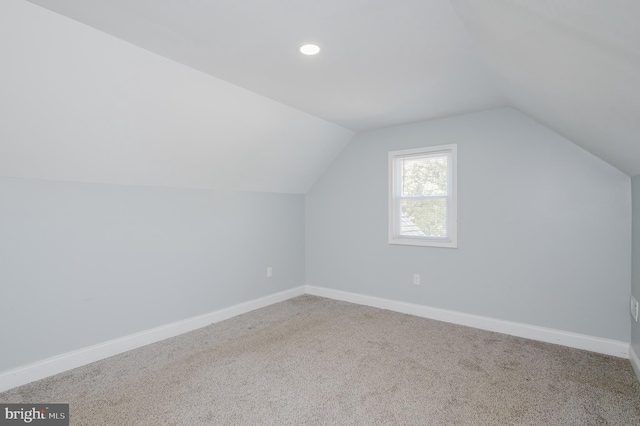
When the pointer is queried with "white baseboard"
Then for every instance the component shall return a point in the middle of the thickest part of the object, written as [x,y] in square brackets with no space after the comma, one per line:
[549,335]
[635,361]
[58,364]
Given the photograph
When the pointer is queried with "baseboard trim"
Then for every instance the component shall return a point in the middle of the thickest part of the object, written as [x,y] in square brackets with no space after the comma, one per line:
[64,362]
[635,361]
[58,364]
[549,335]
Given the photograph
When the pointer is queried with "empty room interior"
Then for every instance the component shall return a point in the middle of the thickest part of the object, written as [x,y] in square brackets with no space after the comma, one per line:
[430,217]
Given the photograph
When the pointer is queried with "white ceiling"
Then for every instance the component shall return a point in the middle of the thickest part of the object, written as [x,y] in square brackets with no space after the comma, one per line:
[80,105]
[573,65]
[382,62]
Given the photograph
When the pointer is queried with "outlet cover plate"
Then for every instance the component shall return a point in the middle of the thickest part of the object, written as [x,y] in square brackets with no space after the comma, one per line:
[634,308]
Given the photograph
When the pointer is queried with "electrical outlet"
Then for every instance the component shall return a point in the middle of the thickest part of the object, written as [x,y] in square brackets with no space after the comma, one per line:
[416,279]
[634,308]
[269,272]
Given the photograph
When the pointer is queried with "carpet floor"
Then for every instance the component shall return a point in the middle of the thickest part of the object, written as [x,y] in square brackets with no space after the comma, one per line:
[316,361]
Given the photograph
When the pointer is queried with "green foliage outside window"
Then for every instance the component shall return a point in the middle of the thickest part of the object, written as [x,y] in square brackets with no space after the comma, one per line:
[425,179]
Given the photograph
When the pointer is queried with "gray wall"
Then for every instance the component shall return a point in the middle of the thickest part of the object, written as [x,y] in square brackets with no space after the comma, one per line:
[81,263]
[544,227]
[635,260]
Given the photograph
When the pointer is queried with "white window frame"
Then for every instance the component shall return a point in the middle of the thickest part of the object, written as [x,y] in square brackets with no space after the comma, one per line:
[395,158]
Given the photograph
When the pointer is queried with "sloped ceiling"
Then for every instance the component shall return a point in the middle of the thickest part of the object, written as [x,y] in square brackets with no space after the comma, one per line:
[382,62]
[79,105]
[572,65]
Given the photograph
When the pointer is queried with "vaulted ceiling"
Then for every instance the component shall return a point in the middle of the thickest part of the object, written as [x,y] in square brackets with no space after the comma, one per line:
[382,62]
[573,65]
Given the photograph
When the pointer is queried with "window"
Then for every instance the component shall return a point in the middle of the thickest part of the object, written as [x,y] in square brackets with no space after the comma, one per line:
[422,196]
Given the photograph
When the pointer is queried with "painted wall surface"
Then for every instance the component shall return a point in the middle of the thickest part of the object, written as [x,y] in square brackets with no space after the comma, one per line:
[544,227]
[81,264]
[635,259]
[79,105]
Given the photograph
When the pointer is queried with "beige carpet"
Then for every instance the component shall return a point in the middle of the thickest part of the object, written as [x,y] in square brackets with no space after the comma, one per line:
[315,361]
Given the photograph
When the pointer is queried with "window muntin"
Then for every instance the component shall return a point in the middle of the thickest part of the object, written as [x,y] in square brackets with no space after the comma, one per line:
[422,196]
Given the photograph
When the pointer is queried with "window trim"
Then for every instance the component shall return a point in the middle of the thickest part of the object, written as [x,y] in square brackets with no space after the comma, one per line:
[452,241]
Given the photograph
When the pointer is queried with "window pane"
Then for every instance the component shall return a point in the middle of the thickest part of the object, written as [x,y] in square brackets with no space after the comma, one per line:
[422,217]
[424,176]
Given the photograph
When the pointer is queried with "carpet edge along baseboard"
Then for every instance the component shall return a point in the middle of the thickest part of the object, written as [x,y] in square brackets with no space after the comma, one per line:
[64,362]
[77,358]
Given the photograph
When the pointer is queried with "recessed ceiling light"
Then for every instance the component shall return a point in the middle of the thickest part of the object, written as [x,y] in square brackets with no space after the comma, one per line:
[309,49]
